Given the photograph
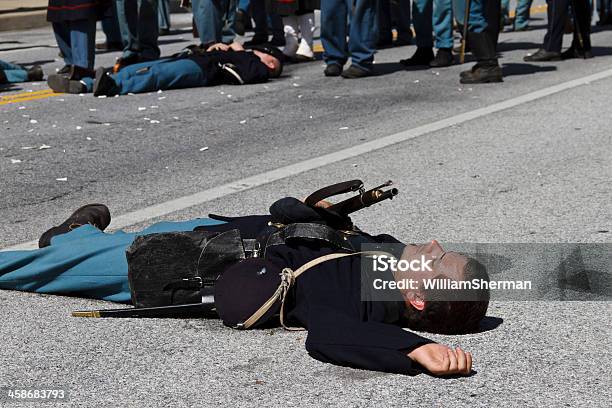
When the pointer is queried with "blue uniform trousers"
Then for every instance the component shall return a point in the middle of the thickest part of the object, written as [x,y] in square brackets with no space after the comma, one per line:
[363,33]
[77,41]
[437,15]
[209,16]
[139,27]
[85,262]
[163,14]
[521,18]
[167,73]
[14,73]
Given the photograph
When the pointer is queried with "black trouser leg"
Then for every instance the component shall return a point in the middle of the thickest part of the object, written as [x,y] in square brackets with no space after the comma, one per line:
[492,11]
[557,14]
[582,24]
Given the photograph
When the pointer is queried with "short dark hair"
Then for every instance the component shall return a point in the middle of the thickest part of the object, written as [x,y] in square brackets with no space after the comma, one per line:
[452,311]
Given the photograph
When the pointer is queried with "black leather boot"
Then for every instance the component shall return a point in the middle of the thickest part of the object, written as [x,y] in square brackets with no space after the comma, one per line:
[35,73]
[97,215]
[422,56]
[444,58]
[487,68]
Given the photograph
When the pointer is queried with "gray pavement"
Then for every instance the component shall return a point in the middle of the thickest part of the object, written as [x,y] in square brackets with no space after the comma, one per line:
[536,172]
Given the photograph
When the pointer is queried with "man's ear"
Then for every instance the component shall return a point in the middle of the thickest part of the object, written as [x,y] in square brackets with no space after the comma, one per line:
[416,301]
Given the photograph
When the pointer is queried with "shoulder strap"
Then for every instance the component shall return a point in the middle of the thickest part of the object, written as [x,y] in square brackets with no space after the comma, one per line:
[288,277]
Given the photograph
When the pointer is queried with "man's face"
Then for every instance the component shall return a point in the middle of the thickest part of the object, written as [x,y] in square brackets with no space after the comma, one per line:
[441,262]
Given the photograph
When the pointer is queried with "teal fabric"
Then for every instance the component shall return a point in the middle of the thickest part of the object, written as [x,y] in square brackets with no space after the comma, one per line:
[14,73]
[85,262]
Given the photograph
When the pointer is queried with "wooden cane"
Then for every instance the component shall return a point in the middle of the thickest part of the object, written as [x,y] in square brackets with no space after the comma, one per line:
[466,20]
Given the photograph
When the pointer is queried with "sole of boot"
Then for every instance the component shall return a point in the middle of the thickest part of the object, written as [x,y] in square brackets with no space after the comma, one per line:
[61,84]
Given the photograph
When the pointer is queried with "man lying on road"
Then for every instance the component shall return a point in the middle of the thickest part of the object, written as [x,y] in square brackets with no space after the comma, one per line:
[78,258]
[194,67]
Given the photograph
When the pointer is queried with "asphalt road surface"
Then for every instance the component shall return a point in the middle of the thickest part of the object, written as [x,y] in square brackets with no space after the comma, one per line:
[523,161]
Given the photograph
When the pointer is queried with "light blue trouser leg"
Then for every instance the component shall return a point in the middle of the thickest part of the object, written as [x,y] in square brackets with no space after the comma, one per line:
[14,73]
[522,14]
[228,33]
[423,20]
[334,30]
[363,34]
[85,262]
[77,41]
[476,21]
[139,27]
[163,14]
[443,23]
[208,15]
[161,74]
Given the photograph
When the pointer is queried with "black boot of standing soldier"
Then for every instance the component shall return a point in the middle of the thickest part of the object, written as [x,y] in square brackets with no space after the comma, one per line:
[487,68]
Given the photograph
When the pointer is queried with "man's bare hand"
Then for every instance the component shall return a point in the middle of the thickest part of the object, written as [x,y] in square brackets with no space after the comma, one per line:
[236,46]
[441,360]
[218,47]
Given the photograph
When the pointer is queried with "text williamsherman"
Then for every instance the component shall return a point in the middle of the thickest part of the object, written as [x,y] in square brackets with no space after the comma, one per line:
[449,284]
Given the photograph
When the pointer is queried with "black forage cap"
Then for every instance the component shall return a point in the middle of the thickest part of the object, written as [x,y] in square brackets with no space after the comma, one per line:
[243,288]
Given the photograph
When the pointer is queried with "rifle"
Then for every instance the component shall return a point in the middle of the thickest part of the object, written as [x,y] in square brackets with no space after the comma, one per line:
[356,203]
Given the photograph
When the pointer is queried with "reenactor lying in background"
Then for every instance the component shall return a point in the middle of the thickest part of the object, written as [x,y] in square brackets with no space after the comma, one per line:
[14,73]
[194,67]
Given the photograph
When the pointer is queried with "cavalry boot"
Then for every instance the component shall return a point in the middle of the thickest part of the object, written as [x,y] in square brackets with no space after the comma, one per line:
[487,68]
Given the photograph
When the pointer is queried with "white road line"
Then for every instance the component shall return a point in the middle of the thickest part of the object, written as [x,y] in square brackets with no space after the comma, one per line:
[280,173]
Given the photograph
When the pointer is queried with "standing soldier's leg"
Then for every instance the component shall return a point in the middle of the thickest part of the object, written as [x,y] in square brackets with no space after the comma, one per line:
[423,26]
[163,17]
[139,29]
[487,68]
[208,15]
[492,13]
[363,37]
[581,40]
[521,20]
[334,15]
[306,24]
[401,10]
[385,33]
[443,32]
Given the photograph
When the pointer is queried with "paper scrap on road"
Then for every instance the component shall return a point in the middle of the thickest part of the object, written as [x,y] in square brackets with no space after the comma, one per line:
[343,128]
[204,148]
[44,147]
[15,161]
[62,179]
